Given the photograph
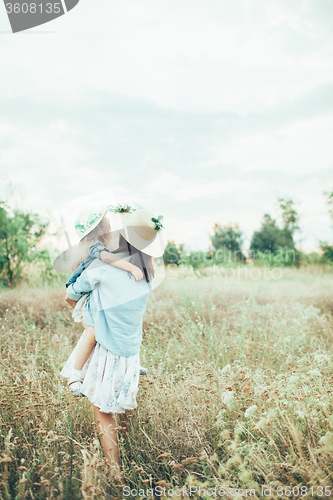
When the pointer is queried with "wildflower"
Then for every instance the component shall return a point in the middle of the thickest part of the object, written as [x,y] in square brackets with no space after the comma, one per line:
[326,439]
[164,455]
[250,411]
[190,460]
[177,467]
[162,483]
[226,369]
[319,358]
[228,397]
[314,373]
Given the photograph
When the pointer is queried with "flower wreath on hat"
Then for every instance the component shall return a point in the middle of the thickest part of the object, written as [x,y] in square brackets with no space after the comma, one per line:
[127,209]
[89,219]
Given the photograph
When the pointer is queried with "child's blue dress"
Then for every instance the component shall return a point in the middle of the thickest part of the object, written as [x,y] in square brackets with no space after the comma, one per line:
[93,253]
[82,304]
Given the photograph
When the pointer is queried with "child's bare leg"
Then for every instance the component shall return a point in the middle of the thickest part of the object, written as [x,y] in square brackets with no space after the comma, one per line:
[82,355]
[106,423]
[85,348]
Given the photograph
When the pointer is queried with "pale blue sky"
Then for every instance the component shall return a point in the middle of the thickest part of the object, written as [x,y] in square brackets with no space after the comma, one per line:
[203,111]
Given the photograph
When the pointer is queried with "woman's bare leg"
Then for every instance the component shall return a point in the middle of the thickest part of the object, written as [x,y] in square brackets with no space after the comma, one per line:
[106,423]
[85,348]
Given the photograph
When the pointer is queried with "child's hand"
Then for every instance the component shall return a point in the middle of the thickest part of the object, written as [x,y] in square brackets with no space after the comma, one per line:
[71,302]
[137,273]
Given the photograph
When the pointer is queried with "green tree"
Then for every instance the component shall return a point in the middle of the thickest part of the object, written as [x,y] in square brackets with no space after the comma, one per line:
[228,240]
[290,216]
[327,249]
[327,253]
[270,238]
[172,253]
[20,232]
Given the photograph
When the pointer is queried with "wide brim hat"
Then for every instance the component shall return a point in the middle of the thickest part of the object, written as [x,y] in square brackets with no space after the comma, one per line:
[143,231]
[87,220]
[137,227]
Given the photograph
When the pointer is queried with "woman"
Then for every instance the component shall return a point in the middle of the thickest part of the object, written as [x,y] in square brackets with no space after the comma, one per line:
[116,306]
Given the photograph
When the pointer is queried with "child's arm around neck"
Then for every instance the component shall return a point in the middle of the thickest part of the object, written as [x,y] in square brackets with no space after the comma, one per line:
[116,261]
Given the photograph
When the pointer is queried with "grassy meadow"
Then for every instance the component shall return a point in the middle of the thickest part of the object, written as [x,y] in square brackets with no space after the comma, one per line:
[239,393]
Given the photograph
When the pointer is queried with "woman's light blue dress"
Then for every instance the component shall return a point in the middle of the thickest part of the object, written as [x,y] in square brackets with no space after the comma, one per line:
[115,308]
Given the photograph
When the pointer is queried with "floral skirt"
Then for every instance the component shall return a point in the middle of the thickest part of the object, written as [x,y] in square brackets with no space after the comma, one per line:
[110,382]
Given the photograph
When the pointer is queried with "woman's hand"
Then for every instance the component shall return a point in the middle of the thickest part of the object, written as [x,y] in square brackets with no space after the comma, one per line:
[137,273]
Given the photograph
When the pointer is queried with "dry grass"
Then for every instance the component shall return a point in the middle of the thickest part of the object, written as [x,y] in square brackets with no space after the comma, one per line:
[239,392]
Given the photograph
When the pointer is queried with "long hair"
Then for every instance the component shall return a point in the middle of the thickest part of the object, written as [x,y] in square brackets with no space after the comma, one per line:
[102,233]
[137,258]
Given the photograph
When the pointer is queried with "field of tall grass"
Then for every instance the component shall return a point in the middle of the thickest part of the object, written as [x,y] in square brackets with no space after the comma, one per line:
[238,397]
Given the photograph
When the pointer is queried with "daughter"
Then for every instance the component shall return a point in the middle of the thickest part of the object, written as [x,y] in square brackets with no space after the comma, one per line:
[95,231]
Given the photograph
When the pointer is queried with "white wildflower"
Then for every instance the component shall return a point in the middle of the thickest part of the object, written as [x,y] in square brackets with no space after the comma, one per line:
[319,358]
[226,369]
[315,373]
[228,397]
[326,439]
[250,411]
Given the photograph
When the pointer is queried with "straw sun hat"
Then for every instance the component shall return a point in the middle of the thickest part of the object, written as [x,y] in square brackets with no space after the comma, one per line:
[138,226]
[143,231]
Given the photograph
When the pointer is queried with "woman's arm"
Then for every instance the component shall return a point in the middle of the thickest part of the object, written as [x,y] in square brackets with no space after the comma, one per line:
[85,282]
[115,261]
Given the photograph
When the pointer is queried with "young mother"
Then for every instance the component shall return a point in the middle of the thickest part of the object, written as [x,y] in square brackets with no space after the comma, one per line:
[116,306]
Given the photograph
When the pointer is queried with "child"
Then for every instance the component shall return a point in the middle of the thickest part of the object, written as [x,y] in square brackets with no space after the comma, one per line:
[95,231]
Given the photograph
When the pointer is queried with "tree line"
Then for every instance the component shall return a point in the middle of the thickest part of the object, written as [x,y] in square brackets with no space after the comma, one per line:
[273,244]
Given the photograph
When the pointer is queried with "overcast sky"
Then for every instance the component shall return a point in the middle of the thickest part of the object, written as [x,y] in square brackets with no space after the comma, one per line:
[204,111]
